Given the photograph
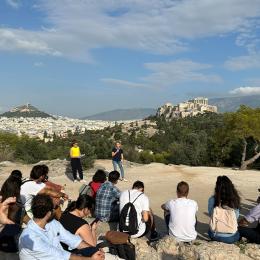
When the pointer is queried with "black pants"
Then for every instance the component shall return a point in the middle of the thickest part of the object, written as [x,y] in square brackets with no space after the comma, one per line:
[251,234]
[76,167]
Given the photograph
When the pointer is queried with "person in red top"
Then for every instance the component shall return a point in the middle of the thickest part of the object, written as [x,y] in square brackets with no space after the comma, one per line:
[97,180]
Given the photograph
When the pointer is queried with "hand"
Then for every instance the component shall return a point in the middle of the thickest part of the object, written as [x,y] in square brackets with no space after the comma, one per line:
[99,255]
[243,222]
[4,206]
[94,226]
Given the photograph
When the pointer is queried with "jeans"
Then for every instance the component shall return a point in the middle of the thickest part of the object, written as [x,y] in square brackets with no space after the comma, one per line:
[251,234]
[227,239]
[119,164]
[76,167]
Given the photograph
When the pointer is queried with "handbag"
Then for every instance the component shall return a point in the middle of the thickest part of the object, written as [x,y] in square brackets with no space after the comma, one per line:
[117,238]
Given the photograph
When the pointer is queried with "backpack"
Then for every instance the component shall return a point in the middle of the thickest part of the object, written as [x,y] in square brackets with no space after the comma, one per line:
[128,221]
[223,220]
[86,190]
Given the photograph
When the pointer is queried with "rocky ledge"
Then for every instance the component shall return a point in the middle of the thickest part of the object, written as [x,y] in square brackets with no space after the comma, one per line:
[169,249]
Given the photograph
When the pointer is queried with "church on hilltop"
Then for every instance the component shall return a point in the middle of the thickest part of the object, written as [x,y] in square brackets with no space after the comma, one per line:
[191,107]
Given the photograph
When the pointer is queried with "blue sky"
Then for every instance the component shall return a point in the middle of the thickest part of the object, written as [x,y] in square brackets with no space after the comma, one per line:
[82,57]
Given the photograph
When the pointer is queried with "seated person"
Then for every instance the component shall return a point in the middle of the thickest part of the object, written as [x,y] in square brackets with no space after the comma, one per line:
[181,215]
[35,186]
[251,234]
[107,207]
[73,220]
[42,237]
[226,197]
[145,219]
[48,183]
[97,180]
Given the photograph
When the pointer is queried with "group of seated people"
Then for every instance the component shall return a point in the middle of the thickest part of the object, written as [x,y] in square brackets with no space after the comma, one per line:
[53,234]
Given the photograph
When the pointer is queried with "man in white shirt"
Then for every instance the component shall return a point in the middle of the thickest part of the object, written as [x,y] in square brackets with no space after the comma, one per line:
[140,201]
[181,215]
[34,186]
[42,237]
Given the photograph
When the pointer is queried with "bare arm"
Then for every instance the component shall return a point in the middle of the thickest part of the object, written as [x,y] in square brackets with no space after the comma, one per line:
[53,193]
[145,216]
[87,235]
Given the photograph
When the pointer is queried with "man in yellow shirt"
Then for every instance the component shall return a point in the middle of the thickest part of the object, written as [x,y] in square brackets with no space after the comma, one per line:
[75,157]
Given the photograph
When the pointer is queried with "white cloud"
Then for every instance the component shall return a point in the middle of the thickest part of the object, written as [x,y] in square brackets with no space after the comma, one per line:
[244,91]
[243,62]
[179,71]
[21,40]
[155,26]
[14,3]
[165,74]
[123,83]
[38,64]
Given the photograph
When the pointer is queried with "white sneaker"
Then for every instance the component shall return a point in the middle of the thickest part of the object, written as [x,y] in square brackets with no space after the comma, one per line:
[75,181]
[125,180]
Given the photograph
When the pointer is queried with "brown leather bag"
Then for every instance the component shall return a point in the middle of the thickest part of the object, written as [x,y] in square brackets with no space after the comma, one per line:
[117,238]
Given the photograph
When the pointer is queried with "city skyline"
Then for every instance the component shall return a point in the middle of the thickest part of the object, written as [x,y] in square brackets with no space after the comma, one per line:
[77,58]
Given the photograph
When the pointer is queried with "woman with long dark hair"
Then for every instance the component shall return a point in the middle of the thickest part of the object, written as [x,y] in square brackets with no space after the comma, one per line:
[223,208]
[73,219]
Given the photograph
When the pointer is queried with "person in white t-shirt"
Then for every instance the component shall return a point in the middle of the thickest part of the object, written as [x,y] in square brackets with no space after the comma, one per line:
[181,215]
[34,186]
[144,214]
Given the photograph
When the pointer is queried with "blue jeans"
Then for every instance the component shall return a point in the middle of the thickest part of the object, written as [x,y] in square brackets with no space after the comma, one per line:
[228,239]
[119,164]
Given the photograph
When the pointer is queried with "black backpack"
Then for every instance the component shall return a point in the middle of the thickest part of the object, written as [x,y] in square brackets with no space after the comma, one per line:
[128,221]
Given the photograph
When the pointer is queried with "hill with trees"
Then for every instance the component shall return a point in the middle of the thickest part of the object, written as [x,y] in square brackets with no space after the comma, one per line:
[230,139]
[25,111]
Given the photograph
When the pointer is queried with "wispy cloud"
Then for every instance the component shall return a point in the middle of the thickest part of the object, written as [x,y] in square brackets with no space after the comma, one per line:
[123,83]
[158,27]
[243,62]
[165,74]
[21,40]
[244,91]
[38,64]
[14,3]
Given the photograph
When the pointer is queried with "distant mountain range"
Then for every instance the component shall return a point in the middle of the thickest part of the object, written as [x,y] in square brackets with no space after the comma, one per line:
[225,104]
[228,104]
[25,111]
[123,114]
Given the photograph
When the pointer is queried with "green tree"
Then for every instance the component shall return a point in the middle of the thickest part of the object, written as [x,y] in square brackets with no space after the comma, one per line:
[244,125]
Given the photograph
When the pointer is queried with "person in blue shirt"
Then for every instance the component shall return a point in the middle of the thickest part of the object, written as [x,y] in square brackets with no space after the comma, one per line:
[42,237]
[225,195]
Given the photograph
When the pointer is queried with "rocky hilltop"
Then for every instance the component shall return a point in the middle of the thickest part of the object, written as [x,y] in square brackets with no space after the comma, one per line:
[26,111]
[191,107]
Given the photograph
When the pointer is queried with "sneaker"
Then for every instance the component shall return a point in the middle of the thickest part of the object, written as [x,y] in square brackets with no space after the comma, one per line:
[124,180]
[75,181]
[154,236]
[82,181]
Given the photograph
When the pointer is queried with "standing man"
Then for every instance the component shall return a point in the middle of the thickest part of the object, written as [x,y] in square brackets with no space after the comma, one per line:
[117,160]
[75,157]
